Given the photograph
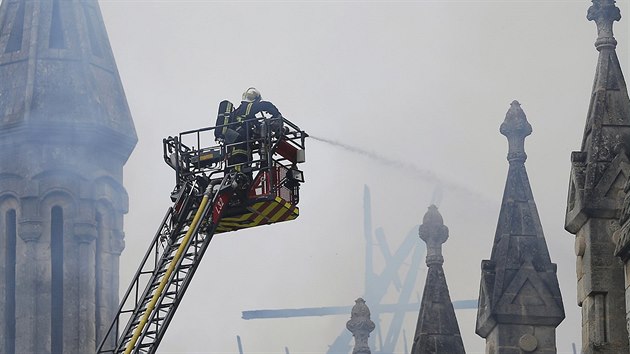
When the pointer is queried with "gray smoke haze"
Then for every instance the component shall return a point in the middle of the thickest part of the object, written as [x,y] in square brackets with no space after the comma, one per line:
[342,65]
[421,173]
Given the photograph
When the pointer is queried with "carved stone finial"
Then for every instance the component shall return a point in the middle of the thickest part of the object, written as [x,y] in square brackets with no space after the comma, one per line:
[515,127]
[434,233]
[604,13]
[360,325]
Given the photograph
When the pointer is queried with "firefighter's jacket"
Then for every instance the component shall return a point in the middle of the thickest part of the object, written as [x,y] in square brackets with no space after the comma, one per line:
[241,125]
[243,120]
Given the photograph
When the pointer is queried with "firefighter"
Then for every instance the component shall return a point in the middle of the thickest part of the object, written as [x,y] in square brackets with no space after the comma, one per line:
[248,126]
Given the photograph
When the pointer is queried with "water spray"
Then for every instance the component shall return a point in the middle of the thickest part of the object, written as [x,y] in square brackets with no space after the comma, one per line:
[421,173]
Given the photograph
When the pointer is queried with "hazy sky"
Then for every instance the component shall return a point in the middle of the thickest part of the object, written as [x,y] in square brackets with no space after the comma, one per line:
[424,83]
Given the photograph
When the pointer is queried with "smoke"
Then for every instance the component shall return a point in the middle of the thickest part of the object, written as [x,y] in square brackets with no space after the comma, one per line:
[421,173]
[436,198]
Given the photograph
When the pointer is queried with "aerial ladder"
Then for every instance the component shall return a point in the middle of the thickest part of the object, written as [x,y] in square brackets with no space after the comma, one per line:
[211,196]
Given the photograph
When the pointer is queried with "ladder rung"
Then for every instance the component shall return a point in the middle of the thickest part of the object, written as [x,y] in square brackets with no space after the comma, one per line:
[186,255]
[171,293]
[162,306]
[145,345]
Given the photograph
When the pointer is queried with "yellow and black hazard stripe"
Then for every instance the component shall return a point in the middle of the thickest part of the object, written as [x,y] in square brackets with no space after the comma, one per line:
[260,213]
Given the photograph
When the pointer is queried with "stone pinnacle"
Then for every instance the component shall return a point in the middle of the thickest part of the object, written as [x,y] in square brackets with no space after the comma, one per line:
[515,127]
[604,13]
[434,233]
[360,325]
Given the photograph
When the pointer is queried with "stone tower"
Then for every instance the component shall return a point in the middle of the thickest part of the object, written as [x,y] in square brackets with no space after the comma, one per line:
[598,175]
[520,304]
[65,134]
[437,331]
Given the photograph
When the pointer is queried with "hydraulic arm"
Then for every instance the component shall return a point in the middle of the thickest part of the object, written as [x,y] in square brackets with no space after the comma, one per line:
[210,197]
[185,240]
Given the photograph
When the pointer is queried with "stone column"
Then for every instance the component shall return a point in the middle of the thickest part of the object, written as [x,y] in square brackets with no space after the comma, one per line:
[85,234]
[111,246]
[29,233]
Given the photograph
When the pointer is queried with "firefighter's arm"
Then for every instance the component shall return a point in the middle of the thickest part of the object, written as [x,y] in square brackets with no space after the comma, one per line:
[270,108]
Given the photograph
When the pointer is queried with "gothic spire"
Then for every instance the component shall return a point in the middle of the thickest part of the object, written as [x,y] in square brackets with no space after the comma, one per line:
[437,330]
[599,171]
[610,106]
[601,166]
[64,80]
[519,285]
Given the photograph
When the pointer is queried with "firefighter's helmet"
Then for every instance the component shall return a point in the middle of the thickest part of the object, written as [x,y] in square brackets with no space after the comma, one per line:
[251,95]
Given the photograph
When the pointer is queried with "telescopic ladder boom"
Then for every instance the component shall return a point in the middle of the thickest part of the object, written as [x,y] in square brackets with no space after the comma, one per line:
[169,271]
[211,196]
